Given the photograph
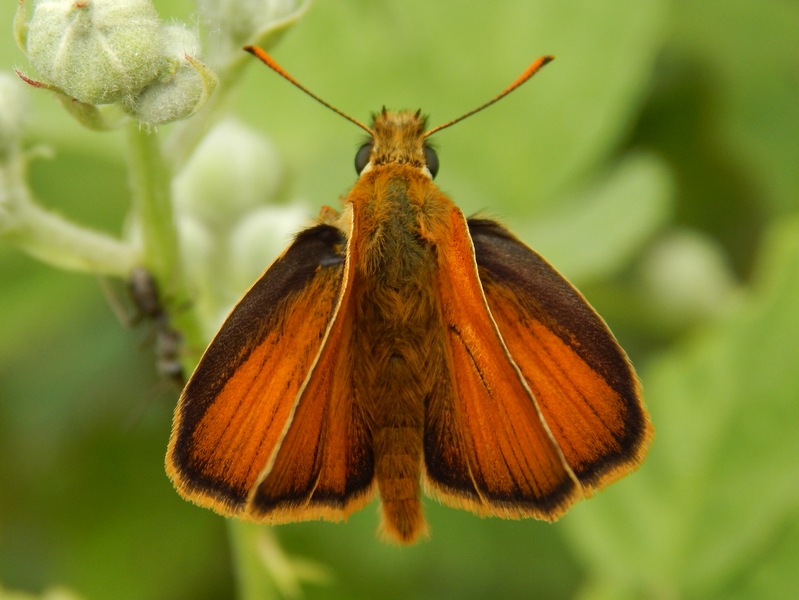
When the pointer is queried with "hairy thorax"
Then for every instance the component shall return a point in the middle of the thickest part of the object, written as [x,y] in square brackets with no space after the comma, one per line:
[396,263]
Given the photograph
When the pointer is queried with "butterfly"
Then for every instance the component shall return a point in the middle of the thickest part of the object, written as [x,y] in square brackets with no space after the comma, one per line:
[397,347]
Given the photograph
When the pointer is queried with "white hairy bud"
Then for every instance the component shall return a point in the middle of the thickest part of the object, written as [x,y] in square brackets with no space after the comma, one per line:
[96,51]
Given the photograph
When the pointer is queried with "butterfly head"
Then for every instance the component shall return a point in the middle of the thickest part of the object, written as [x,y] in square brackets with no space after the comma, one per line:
[398,137]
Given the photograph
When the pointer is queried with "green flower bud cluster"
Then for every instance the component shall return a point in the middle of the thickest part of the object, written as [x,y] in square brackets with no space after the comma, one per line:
[116,52]
[249,22]
[183,86]
[230,227]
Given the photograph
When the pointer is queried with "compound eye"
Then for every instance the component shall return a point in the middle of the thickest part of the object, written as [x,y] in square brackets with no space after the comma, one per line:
[362,157]
[431,161]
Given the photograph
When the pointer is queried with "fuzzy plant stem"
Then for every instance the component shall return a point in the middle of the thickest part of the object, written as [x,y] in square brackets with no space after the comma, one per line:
[52,238]
[252,575]
[151,186]
[150,183]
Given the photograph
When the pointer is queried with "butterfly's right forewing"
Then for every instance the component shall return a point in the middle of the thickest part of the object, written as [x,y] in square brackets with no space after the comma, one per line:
[486,447]
[580,377]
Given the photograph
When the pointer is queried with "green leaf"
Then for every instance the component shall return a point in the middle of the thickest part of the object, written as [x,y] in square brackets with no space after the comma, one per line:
[748,52]
[596,233]
[775,572]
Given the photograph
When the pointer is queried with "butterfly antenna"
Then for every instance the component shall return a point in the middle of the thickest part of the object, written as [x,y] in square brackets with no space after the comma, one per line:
[528,73]
[270,62]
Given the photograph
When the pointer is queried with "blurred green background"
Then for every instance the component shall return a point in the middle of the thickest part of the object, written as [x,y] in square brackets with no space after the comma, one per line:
[655,162]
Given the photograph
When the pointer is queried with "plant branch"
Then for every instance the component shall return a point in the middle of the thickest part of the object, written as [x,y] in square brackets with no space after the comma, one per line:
[151,185]
[152,203]
[50,237]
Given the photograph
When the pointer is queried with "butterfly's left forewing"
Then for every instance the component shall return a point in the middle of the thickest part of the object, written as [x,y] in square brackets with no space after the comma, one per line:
[325,465]
[239,404]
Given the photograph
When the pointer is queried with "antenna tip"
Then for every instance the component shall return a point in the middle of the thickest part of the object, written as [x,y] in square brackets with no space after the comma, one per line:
[537,64]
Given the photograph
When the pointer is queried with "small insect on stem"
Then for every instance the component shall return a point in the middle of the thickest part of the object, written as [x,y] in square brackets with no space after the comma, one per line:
[148,307]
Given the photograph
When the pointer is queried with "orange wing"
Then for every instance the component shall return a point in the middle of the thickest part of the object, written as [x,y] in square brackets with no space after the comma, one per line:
[580,377]
[486,445]
[325,465]
[235,421]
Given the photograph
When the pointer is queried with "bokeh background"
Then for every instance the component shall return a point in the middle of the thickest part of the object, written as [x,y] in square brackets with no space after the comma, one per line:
[655,162]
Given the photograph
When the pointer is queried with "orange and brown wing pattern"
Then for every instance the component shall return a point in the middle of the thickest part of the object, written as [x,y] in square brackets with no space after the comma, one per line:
[583,382]
[486,445]
[325,465]
[241,399]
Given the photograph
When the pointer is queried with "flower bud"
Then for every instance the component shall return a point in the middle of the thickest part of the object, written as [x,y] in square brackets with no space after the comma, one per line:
[97,51]
[179,41]
[182,89]
[99,118]
[258,22]
[201,257]
[687,278]
[230,173]
[259,237]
